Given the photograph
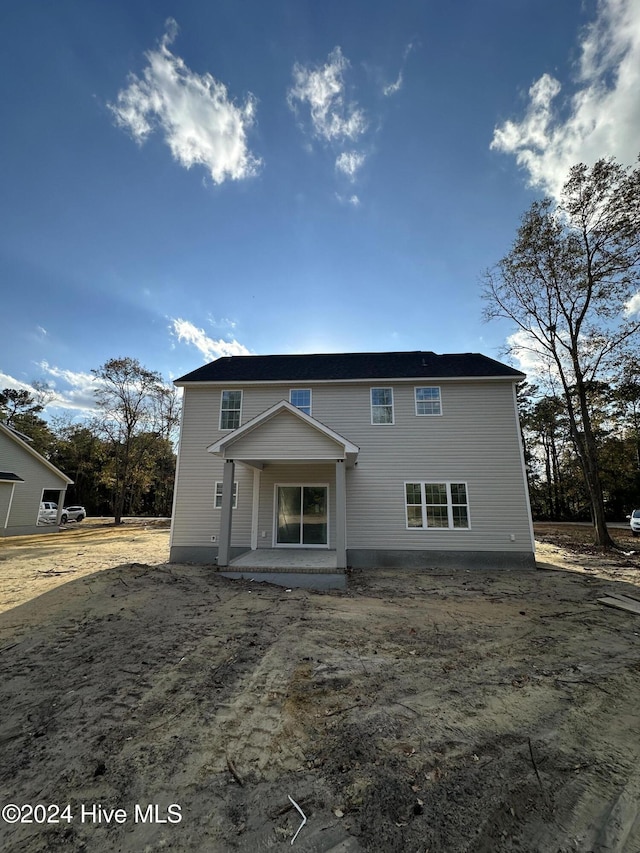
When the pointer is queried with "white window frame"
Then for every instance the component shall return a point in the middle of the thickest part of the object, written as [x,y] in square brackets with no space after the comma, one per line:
[309,391]
[239,410]
[274,540]
[382,405]
[439,401]
[423,504]
[234,503]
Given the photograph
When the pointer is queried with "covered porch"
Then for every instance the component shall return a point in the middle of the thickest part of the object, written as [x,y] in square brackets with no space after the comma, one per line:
[291,567]
[299,481]
[287,559]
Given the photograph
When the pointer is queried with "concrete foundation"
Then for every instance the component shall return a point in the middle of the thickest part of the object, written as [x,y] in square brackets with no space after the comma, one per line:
[296,559]
[369,558]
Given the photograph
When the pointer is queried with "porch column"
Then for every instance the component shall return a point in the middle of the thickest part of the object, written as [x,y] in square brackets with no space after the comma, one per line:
[226,512]
[255,509]
[341,515]
[6,520]
[61,499]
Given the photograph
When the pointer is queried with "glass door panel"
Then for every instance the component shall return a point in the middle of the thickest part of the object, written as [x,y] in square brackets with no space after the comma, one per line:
[289,503]
[314,515]
[301,515]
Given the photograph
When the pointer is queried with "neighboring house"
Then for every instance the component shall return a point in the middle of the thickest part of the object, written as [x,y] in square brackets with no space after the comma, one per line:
[24,477]
[389,459]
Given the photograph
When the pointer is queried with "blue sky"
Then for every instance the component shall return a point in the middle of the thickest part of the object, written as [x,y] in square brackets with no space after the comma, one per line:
[187,180]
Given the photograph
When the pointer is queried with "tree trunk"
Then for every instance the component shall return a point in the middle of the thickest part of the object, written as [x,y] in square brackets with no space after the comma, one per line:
[602,536]
[558,491]
[589,458]
[119,507]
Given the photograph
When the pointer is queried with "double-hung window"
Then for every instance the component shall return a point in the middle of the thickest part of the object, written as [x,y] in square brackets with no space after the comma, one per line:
[428,401]
[230,408]
[382,405]
[437,505]
[217,503]
[301,399]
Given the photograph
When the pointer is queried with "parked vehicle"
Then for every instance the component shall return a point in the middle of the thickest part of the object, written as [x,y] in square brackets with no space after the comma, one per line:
[73,513]
[48,512]
[634,522]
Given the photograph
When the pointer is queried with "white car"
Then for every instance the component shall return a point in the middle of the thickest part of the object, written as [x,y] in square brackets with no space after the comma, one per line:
[634,522]
[73,513]
[48,512]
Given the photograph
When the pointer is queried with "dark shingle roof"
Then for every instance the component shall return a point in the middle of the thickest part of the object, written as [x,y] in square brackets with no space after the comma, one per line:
[352,365]
[8,476]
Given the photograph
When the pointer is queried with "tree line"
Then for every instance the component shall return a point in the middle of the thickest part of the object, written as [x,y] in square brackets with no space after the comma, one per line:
[557,486]
[122,460]
[571,286]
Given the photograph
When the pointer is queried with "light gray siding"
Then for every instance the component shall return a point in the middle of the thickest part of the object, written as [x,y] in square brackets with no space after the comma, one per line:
[476,440]
[195,519]
[292,473]
[37,476]
[282,436]
[6,491]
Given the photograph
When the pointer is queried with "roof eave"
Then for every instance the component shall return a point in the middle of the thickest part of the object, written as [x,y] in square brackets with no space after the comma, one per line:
[513,377]
[10,433]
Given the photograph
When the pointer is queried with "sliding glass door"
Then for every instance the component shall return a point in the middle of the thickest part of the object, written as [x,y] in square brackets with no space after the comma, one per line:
[301,515]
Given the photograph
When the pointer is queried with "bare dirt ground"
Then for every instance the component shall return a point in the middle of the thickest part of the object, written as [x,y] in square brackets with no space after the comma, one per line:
[441,711]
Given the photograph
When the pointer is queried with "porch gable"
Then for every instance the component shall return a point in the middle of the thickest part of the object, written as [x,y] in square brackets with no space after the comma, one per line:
[284,433]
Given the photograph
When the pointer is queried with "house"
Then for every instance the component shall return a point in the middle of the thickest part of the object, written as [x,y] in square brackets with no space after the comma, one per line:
[24,477]
[387,459]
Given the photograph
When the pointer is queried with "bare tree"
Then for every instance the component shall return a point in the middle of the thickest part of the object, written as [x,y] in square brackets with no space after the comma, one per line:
[127,396]
[570,284]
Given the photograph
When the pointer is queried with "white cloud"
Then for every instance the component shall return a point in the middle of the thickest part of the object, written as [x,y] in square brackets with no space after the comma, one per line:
[531,357]
[392,88]
[600,119]
[199,122]
[222,322]
[211,349]
[632,307]
[70,389]
[7,381]
[353,200]
[349,162]
[322,88]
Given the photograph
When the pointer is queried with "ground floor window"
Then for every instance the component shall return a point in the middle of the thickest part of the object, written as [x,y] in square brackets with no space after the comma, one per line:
[218,498]
[436,505]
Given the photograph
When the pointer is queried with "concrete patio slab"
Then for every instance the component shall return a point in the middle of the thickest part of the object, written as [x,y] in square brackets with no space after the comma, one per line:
[290,567]
[286,560]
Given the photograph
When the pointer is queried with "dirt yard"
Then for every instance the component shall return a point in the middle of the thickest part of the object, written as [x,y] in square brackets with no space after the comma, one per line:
[441,711]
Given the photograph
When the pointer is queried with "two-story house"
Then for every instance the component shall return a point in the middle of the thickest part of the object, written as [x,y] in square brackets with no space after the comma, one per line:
[387,459]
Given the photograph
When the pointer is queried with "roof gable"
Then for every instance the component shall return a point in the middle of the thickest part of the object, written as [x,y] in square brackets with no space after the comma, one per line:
[11,434]
[349,366]
[284,432]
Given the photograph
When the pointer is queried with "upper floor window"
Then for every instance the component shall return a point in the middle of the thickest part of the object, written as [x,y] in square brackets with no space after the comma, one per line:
[230,407]
[382,405]
[428,401]
[301,399]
